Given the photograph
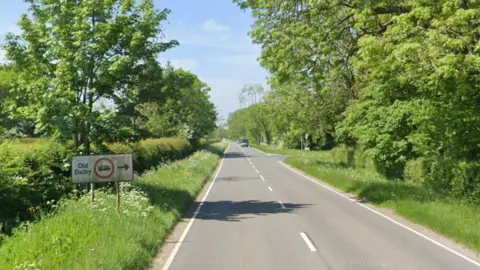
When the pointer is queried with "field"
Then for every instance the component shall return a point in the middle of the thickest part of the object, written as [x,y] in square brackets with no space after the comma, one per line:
[454,218]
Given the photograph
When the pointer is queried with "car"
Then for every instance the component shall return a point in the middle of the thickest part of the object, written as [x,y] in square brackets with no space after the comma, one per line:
[244,143]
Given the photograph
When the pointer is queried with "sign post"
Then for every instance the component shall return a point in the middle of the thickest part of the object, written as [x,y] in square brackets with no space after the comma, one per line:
[102,169]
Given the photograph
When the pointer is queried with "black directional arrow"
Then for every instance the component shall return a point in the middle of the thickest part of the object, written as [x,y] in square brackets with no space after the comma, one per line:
[124,167]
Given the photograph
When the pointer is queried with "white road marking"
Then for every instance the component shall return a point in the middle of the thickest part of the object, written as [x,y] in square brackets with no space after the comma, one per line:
[308,242]
[263,179]
[190,223]
[270,188]
[386,217]
[256,170]
[262,152]
[281,204]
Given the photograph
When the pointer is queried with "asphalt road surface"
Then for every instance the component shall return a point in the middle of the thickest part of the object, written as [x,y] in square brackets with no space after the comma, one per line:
[259,214]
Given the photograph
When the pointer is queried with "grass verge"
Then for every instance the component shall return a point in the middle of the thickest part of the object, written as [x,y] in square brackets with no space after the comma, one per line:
[455,219]
[79,236]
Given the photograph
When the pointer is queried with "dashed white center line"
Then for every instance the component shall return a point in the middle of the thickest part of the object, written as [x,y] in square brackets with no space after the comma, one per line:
[256,170]
[270,188]
[281,204]
[308,242]
[263,179]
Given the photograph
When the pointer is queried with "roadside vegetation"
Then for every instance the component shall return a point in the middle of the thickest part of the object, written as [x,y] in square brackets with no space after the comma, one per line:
[386,96]
[457,219]
[78,235]
[36,174]
[81,78]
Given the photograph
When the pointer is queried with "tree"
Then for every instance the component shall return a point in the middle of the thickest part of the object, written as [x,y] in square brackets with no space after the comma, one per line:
[72,53]
[397,79]
[187,110]
[11,127]
[253,93]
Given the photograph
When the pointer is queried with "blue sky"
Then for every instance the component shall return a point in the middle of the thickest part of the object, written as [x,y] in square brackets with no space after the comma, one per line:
[214,44]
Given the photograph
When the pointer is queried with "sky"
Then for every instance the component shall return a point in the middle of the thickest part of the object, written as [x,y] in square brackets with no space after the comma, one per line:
[214,44]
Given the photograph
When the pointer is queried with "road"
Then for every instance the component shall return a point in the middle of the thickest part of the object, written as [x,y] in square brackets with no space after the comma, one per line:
[259,214]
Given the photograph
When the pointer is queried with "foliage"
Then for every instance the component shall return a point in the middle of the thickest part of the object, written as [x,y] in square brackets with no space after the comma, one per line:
[34,174]
[79,236]
[13,127]
[451,217]
[396,80]
[187,113]
[70,54]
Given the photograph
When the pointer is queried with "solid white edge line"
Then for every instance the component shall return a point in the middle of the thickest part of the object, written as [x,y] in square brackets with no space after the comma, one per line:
[190,223]
[281,204]
[270,188]
[263,179]
[308,242]
[262,151]
[386,217]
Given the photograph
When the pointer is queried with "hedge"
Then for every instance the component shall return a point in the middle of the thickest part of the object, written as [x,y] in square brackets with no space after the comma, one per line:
[457,179]
[33,173]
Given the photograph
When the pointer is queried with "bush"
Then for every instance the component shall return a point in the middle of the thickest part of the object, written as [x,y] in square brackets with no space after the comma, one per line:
[362,160]
[151,152]
[439,174]
[342,156]
[35,172]
[466,181]
[415,171]
[79,236]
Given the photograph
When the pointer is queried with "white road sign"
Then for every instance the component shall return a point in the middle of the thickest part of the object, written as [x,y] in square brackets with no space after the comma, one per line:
[105,168]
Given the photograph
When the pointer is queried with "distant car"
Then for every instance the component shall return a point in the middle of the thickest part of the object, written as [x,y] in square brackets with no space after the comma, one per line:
[244,143]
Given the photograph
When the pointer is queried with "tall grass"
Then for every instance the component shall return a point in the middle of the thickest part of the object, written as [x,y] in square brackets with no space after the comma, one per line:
[36,171]
[453,218]
[81,236]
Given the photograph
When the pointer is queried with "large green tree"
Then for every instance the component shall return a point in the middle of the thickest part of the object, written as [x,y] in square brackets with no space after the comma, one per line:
[72,53]
[187,111]
[398,79]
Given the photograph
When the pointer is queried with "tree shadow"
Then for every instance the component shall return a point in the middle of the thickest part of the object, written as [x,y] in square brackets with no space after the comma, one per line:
[235,211]
[379,192]
[235,155]
[166,198]
[179,201]
[234,178]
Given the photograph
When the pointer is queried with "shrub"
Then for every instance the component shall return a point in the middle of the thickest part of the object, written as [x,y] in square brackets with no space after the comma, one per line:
[363,160]
[37,171]
[79,236]
[466,181]
[415,171]
[342,156]
[439,175]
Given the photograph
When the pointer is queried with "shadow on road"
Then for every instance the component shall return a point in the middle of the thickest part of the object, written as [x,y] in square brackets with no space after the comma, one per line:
[238,210]
[235,155]
[235,178]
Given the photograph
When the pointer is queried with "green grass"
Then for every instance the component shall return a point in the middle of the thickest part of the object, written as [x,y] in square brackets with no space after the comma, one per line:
[79,236]
[455,219]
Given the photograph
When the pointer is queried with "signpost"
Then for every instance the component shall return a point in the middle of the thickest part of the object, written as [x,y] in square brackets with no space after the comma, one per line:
[307,147]
[103,169]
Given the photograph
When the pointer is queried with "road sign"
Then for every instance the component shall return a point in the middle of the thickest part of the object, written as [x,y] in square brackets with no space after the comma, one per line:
[105,168]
